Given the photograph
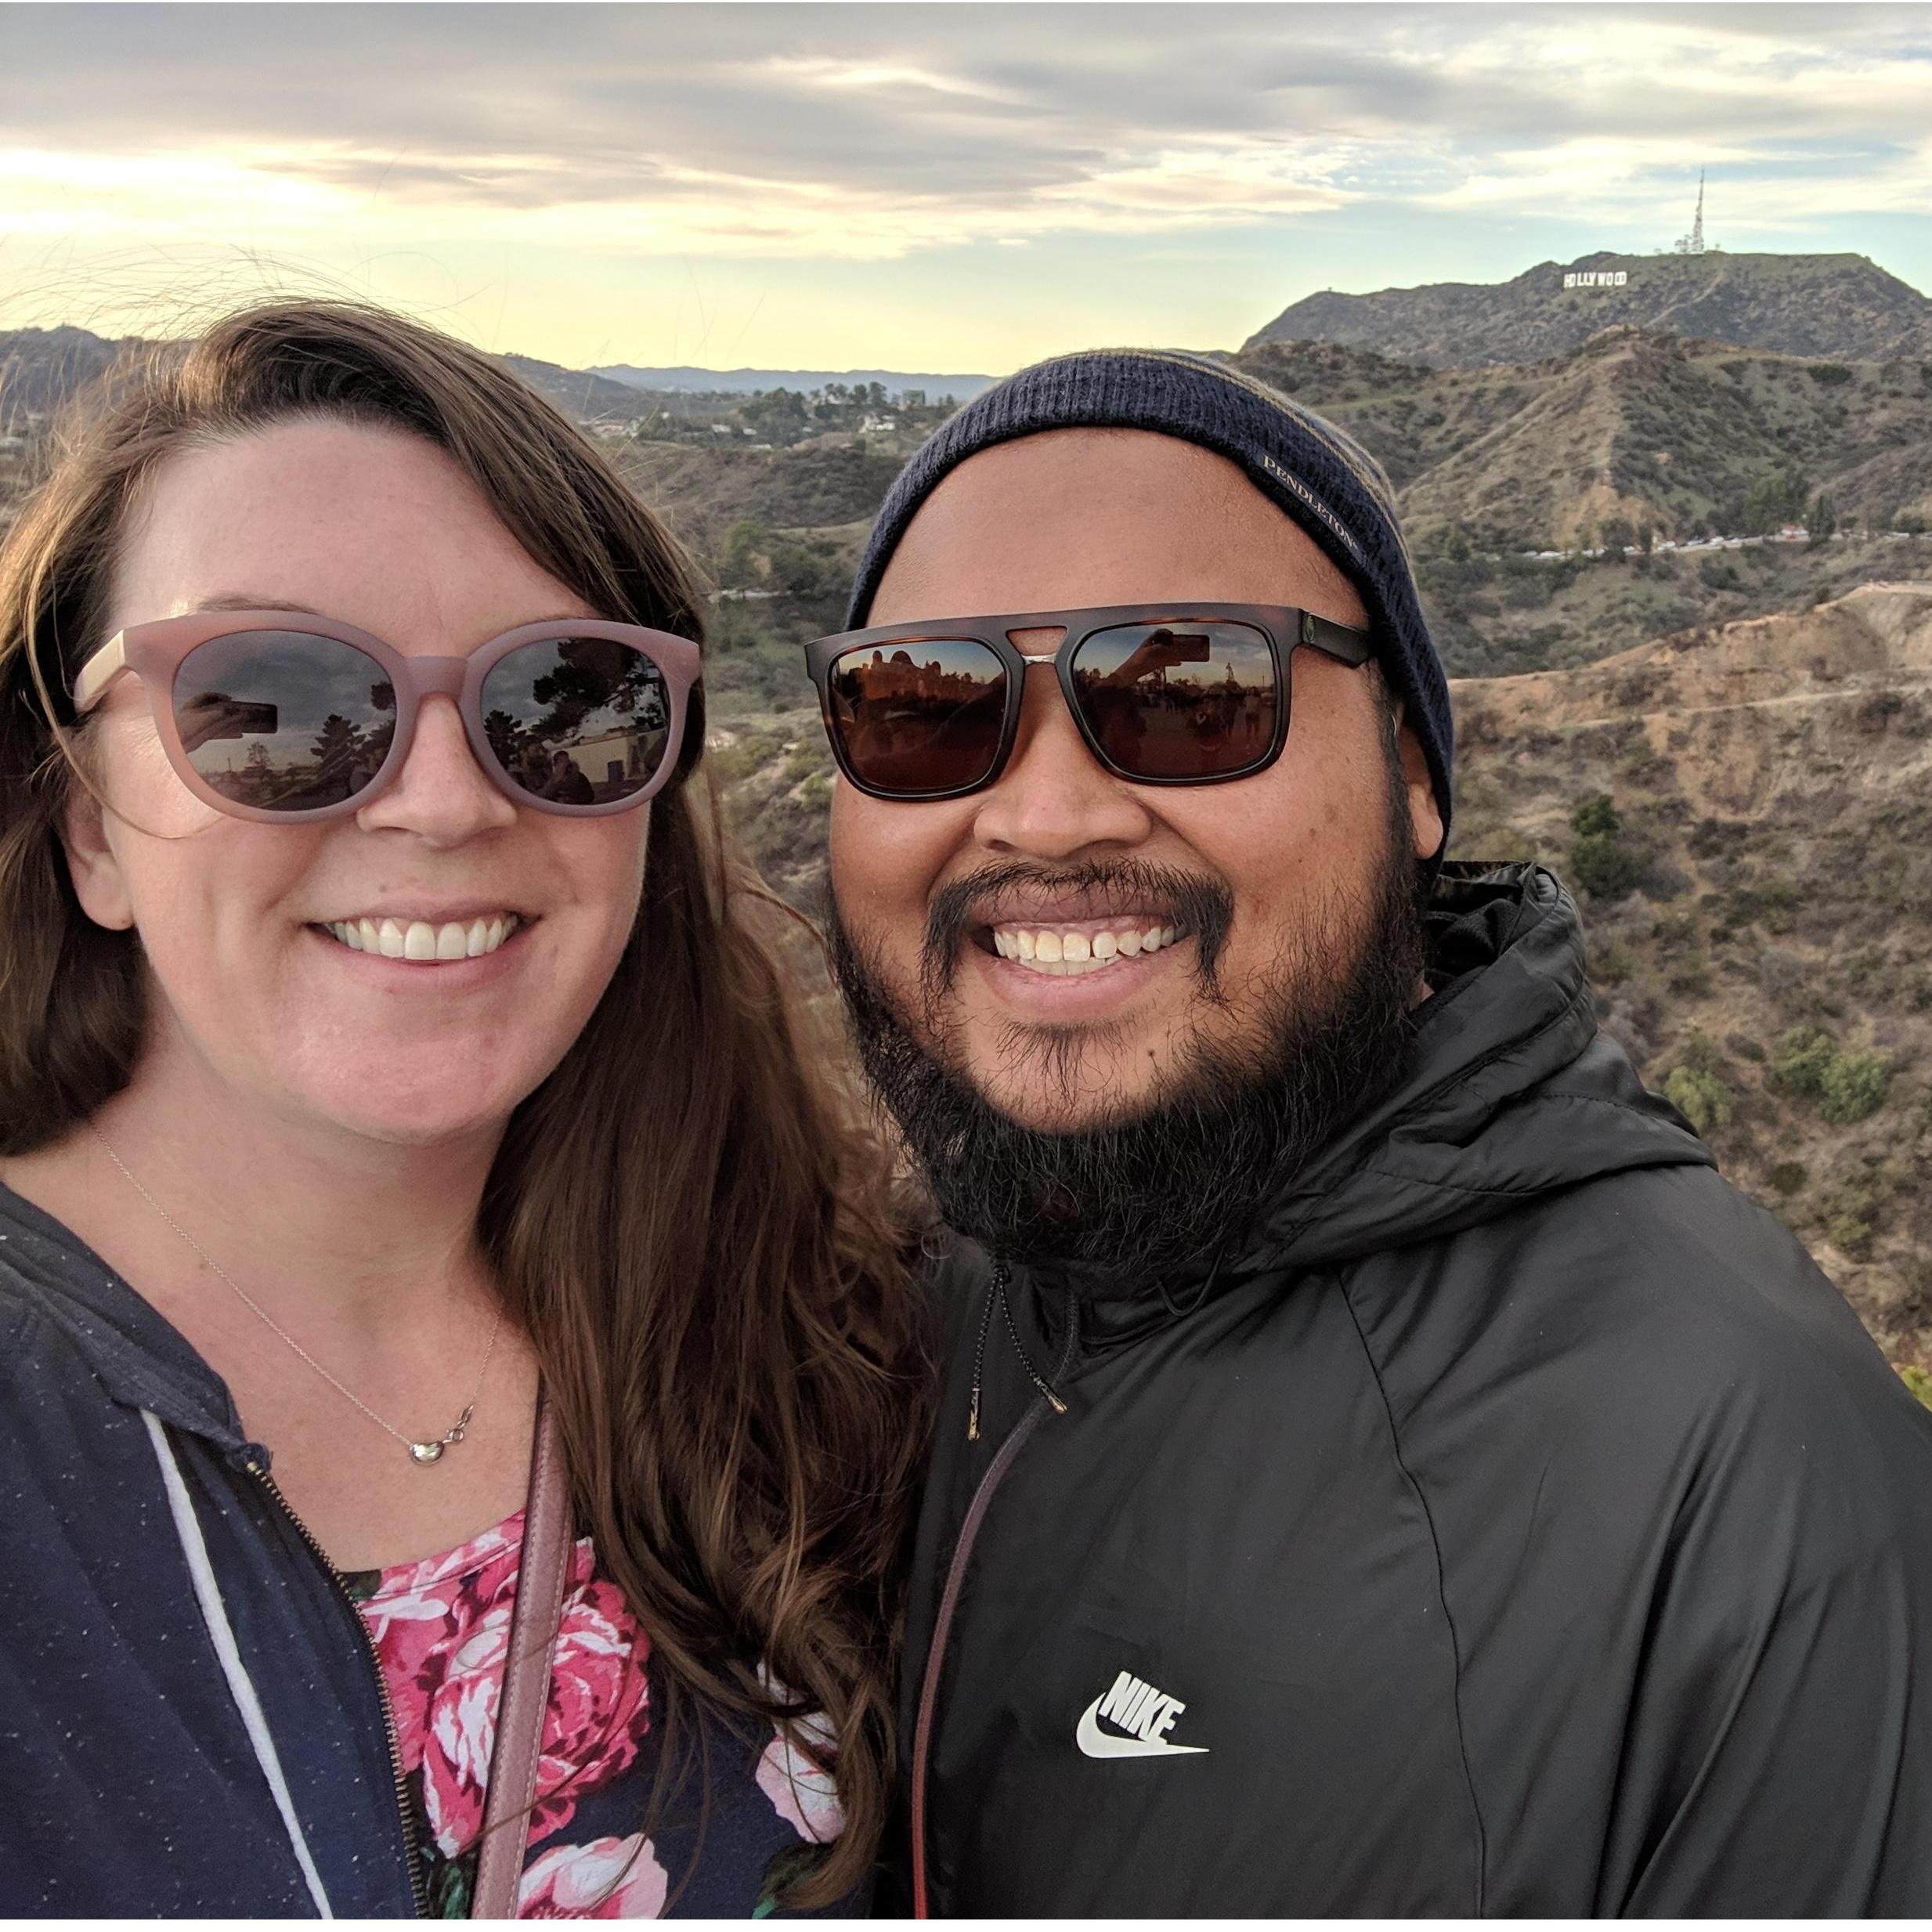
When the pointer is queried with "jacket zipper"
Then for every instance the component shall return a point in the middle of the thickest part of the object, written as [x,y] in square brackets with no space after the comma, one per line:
[417,1891]
[1009,1454]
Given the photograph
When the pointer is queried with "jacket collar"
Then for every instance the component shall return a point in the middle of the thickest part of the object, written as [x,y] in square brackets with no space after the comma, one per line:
[140,1357]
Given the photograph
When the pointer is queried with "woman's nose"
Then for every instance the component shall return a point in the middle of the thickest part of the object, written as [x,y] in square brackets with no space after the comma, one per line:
[441,794]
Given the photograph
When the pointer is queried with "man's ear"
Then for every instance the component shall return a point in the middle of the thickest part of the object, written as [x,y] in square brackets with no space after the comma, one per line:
[99,881]
[1426,816]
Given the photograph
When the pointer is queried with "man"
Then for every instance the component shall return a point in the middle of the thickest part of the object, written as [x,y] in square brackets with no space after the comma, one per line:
[567,782]
[1383,1468]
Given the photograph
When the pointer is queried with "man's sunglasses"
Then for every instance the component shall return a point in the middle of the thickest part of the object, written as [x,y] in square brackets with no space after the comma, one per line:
[1162,694]
[283,717]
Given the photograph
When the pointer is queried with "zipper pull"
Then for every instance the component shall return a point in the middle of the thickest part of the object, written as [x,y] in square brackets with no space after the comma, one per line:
[979,1355]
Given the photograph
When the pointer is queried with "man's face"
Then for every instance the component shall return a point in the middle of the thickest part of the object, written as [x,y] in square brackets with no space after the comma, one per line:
[1270,883]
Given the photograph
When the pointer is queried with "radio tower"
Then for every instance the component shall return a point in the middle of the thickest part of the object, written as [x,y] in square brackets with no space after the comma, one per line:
[1693,243]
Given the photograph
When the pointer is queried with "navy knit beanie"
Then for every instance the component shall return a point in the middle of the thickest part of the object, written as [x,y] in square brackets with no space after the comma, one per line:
[1320,476]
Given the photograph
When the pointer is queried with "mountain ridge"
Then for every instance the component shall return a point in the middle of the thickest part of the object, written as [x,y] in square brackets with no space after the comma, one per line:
[1843,305]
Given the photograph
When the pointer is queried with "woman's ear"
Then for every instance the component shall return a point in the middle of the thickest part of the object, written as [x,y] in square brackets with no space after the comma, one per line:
[98,882]
[1426,816]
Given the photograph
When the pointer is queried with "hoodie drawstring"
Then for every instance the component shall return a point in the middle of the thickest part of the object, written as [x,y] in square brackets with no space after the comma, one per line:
[996,1293]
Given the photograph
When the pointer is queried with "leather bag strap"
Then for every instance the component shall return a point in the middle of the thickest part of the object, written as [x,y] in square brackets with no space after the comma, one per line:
[534,1619]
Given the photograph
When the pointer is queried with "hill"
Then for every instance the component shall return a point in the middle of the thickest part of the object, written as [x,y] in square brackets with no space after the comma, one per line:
[581,394]
[685,379]
[1631,425]
[1792,304]
[1746,813]
[41,368]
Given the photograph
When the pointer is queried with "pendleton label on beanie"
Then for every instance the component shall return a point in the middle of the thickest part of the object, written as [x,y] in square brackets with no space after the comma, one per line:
[1317,474]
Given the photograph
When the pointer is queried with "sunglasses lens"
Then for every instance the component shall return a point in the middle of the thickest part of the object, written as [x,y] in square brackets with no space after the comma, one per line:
[283,720]
[578,720]
[918,718]
[1194,700]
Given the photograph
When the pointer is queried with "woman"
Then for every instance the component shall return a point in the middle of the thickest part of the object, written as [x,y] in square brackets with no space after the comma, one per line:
[383,1040]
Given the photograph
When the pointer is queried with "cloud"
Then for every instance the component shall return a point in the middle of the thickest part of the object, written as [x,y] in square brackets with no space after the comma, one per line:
[864,133]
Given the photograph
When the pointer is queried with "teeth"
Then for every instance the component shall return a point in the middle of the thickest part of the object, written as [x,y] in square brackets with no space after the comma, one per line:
[418,941]
[1059,954]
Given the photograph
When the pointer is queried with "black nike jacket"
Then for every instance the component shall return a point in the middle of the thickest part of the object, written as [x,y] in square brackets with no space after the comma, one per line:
[1516,1521]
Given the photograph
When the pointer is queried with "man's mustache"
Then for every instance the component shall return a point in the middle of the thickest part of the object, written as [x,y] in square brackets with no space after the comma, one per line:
[1204,906]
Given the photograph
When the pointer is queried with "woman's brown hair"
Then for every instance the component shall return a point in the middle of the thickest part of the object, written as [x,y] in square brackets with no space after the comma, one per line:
[688,1215]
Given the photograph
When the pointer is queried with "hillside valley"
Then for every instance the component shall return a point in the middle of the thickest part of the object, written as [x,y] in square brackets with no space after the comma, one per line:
[1726,752]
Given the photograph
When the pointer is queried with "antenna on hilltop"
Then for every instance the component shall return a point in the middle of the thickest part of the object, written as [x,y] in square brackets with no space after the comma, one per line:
[1693,243]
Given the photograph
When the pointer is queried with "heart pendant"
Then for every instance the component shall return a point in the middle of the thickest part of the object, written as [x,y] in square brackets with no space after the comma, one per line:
[425,1452]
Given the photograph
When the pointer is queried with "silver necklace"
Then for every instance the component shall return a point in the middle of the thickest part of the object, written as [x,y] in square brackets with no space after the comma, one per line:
[421,1453]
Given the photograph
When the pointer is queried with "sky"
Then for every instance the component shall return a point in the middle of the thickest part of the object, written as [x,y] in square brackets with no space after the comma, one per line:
[954,188]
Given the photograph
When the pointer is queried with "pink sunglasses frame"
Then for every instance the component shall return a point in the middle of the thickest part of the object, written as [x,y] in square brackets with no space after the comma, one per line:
[155,652]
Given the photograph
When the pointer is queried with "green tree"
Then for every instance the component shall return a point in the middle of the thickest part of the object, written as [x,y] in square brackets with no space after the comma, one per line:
[1778,497]
[740,559]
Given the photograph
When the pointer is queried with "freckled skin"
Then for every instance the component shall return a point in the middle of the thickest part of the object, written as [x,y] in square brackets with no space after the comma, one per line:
[1077,518]
[379,529]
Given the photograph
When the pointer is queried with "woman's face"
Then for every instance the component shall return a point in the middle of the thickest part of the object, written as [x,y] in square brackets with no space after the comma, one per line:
[253,993]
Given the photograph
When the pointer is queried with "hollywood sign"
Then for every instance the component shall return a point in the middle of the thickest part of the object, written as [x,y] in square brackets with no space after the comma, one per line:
[1596,278]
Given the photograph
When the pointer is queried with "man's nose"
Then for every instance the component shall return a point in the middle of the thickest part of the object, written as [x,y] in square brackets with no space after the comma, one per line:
[1055,799]
[441,794]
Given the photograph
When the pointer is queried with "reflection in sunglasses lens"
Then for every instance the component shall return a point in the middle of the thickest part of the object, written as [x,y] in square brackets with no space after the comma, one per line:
[1193,699]
[577,720]
[918,717]
[283,720]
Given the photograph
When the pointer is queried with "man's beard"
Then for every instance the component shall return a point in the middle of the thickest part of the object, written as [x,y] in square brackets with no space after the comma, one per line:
[1180,1179]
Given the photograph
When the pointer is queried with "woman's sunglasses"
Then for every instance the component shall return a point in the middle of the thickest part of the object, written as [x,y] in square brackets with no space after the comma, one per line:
[283,717]
[1162,694]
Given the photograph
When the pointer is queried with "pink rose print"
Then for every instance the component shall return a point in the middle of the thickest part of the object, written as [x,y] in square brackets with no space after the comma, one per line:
[418,1609]
[802,1791]
[443,1633]
[569,1881]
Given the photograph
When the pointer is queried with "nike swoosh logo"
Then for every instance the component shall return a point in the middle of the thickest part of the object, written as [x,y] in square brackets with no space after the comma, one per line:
[1098,1743]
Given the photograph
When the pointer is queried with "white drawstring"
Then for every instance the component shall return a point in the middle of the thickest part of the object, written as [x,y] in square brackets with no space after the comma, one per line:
[215,1615]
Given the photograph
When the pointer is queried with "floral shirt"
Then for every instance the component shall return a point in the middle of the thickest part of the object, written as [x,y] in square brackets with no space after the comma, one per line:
[725,1834]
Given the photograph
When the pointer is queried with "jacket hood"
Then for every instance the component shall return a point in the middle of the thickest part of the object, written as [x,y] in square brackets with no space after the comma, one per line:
[1508,1092]
[139,1356]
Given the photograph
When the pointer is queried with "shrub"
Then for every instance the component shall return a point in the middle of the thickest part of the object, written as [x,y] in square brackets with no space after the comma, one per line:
[1702,1099]
[1603,866]
[1854,1087]
[1788,1176]
[1595,815]
[1830,374]
[1803,1057]
[1612,966]
[1850,1215]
